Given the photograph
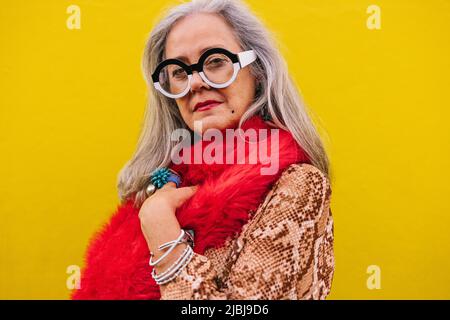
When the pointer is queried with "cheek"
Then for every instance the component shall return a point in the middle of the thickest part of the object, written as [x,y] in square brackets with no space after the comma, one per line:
[183,107]
[241,94]
[186,114]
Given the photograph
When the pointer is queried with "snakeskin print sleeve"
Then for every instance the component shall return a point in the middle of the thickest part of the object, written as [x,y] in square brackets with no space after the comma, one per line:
[284,252]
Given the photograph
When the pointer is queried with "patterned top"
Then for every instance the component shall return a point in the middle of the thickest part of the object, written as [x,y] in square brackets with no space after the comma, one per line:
[284,251]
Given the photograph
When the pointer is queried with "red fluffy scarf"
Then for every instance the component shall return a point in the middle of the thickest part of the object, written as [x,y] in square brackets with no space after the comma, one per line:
[116,262]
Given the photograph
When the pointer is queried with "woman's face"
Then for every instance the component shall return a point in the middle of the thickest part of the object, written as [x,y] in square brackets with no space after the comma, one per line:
[188,38]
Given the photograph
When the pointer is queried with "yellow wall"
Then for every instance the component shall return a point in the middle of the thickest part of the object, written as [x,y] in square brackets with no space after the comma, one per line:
[71,106]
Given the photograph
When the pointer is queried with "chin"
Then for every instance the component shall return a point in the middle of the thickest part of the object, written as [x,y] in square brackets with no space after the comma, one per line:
[213,121]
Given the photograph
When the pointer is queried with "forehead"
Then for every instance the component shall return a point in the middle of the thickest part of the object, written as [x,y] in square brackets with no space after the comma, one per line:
[189,36]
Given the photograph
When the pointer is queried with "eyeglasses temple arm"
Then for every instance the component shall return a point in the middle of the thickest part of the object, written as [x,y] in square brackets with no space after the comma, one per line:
[246,57]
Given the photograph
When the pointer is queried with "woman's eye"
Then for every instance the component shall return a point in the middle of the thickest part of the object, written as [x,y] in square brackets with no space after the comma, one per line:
[215,61]
[178,73]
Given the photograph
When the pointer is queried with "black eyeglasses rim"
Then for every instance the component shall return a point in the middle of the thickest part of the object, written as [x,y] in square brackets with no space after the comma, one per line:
[196,66]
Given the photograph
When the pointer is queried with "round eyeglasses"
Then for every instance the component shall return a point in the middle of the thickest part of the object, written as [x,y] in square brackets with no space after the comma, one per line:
[217,67]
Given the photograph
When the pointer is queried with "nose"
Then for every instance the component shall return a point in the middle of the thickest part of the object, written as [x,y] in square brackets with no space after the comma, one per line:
[197,82]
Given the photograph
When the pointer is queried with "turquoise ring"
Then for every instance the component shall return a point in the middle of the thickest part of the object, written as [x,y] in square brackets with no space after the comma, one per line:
[160,177]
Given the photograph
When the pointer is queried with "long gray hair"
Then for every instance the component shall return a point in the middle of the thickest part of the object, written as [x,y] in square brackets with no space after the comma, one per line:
[277,93]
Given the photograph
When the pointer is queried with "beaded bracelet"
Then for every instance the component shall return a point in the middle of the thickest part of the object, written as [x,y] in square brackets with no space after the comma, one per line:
[164,273]
[186,262]
[175,269]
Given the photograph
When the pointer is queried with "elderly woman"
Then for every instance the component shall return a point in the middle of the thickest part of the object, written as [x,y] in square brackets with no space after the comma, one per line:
[245,220]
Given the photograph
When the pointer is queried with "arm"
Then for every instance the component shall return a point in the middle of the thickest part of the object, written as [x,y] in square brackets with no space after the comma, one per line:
[286,252]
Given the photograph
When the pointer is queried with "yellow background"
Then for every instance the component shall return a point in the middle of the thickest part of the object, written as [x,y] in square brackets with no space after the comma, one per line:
[71,107]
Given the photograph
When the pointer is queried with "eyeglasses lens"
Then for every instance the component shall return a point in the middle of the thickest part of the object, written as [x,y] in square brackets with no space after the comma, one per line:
[218,68]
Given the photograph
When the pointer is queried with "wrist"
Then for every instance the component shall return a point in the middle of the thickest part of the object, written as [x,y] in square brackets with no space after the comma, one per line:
[170,259]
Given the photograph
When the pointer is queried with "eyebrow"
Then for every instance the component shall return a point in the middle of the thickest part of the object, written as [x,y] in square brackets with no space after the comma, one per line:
[201,52]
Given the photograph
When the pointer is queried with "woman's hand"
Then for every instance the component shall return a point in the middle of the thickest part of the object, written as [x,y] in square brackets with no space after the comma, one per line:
[159,223]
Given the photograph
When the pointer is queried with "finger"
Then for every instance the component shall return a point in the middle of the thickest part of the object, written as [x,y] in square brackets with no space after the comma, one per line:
[169,185]
[185,193]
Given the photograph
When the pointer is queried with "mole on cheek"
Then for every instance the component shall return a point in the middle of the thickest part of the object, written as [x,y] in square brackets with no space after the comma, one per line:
[232,111]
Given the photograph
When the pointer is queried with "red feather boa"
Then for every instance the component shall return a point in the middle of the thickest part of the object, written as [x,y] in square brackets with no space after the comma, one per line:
[116,263]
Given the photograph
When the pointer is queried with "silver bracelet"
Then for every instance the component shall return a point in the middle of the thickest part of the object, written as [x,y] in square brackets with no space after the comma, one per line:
[187,238]
[172,267]
[175,269]
[163,274]
[179,270]
[154,263]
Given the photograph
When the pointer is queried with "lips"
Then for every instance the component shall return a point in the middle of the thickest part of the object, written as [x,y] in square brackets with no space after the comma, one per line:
[206,105]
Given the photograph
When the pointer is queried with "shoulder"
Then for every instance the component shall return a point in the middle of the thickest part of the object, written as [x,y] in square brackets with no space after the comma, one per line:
[303,179]
[302,190]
